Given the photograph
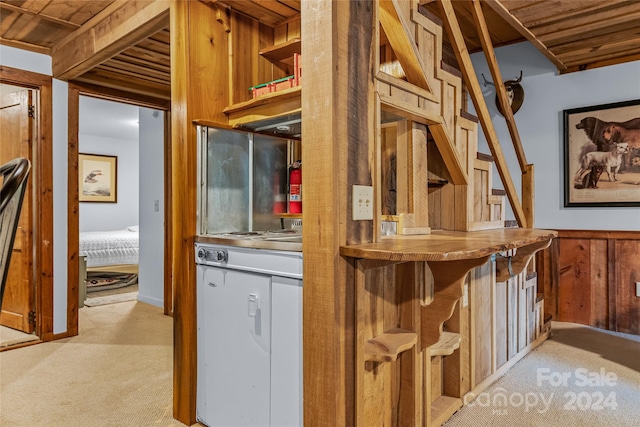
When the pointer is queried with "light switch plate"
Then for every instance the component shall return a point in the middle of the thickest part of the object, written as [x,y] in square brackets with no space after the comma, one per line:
[638,289]
[362,208]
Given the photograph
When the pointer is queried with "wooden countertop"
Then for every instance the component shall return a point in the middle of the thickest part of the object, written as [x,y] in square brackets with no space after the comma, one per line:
[447,245]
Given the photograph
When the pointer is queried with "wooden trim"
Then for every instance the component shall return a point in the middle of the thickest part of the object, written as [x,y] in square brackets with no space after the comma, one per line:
[42,167]
[599,234]
[612,288]
[168,224]
[73,209]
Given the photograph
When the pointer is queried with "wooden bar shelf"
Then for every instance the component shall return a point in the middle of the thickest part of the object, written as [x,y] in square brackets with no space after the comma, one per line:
[448,343]
[282,52]
[387,346]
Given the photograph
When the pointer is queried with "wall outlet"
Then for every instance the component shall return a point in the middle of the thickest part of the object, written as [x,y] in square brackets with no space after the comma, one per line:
[638,289]
[362,208]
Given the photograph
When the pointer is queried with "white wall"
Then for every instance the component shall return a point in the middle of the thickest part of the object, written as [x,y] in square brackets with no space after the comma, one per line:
[151,262]
[124,213]
[540,124]
[38,63]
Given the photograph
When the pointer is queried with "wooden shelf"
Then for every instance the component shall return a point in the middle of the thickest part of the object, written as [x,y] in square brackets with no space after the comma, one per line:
[387,346]
[443,408]
[288,101]
[448,343]
[282,52]
[291,215]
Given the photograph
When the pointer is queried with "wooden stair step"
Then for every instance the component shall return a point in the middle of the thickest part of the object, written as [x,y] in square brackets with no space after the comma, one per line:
[467,115]
[448,343]
[387,346]
[498,192]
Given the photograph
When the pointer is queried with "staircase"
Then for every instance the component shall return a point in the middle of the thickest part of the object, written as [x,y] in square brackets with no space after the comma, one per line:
[415,83]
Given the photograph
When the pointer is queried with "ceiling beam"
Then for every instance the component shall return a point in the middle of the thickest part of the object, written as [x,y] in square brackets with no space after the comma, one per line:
[501,10]
[116,28]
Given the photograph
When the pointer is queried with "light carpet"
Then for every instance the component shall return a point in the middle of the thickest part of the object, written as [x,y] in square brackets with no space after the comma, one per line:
[581,376]
[116,372]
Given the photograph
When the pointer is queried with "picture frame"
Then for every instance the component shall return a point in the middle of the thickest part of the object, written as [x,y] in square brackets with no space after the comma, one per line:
[97,178]
[602,155]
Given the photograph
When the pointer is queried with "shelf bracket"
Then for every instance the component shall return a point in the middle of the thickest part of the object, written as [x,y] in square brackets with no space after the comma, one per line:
[448,284]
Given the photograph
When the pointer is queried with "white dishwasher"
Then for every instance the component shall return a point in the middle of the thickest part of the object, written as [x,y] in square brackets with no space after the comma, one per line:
[249,337]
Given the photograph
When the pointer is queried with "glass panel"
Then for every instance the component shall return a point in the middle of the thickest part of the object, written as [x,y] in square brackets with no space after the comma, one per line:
[269,181]
[227,173]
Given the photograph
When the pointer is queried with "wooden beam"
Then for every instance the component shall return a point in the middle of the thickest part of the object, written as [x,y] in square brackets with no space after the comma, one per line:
[449,154]
[489,53]
[502,10]
[199,89]
[464,60]
[403,44]
[116,28]
[25,46]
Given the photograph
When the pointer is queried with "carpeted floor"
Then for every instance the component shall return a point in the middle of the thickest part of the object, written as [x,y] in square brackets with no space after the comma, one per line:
[581,376]
[117,372]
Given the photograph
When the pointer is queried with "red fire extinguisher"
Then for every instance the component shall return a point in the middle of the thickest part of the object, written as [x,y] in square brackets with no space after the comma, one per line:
[295,188]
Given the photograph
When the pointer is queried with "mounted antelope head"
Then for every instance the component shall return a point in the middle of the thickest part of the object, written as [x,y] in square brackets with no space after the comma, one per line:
[515,93]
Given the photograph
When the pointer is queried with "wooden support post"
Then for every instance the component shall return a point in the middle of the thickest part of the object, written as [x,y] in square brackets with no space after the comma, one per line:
[528,194]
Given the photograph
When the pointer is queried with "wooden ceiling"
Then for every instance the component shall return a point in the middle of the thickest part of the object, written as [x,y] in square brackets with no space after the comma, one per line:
[574,34]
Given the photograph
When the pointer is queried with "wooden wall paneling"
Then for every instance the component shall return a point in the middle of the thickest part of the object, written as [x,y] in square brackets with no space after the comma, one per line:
[574,292]
[599,289]
[611,276]
[244,60]
[199,90]
[523,309]
[627,272]
[409,397]
[481,296]
[501,324]
[512,317]
[339,152]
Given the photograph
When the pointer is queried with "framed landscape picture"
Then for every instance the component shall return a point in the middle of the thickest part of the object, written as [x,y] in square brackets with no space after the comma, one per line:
[97,178]
[602,155]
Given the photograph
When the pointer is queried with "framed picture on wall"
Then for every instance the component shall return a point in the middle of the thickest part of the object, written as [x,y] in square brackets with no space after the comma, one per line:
[602,155]
[97,178]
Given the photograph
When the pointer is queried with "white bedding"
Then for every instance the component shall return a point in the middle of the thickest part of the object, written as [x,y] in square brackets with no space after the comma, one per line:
[110,247]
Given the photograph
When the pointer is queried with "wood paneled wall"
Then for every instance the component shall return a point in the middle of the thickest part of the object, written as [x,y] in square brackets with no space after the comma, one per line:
[590,278]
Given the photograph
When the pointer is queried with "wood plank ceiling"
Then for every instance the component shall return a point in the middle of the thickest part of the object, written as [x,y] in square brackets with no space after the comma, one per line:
[574,34]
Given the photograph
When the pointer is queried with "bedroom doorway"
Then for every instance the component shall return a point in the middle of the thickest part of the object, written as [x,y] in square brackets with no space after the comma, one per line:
[136,198]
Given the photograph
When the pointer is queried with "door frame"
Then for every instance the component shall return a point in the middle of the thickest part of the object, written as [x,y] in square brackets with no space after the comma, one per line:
[73,216]
[42,203]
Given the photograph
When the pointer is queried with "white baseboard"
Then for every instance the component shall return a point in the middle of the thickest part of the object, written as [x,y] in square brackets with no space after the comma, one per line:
[158,302]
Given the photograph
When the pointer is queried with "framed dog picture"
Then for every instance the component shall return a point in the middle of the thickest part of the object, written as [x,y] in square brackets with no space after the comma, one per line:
[602,155]
[97,178]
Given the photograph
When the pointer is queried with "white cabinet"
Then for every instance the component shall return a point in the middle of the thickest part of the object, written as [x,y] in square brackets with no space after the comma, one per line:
[286,352]
[249,349]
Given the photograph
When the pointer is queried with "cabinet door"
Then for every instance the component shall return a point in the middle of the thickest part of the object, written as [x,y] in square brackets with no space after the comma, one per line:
[235,335]
[286,353]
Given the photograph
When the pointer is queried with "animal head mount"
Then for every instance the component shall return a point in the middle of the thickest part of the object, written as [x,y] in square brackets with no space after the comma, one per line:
[515,93]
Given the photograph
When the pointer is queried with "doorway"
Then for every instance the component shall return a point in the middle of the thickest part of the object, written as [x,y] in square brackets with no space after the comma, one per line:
[79,94]
[27,132]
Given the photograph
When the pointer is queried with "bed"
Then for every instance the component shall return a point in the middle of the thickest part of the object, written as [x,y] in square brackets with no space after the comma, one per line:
[107,252]
[109,248]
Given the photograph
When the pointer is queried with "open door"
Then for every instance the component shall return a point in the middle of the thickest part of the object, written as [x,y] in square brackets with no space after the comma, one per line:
[16,134]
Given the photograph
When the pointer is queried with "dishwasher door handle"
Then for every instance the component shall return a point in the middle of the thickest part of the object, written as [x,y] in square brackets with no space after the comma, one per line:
[254,305]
